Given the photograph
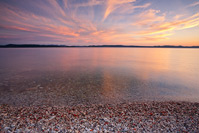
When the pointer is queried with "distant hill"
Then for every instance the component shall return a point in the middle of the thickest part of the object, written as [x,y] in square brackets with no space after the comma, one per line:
[67,46]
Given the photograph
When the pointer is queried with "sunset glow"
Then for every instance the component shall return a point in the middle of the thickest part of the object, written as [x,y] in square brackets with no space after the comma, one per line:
[100,22]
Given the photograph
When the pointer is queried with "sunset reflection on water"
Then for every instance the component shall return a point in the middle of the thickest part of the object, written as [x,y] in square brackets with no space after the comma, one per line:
[103,73]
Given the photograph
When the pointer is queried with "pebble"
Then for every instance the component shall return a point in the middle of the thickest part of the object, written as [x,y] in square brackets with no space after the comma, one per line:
[6,128]
[52,117]
[121,117]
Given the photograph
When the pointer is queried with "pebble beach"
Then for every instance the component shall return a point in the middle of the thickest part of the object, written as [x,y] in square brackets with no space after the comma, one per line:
[51,90]
[99,66]
[120,117]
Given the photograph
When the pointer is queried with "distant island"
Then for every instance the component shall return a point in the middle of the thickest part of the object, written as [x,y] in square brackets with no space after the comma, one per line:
[89,46]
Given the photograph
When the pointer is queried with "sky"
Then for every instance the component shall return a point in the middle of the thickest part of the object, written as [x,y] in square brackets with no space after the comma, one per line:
[100,22]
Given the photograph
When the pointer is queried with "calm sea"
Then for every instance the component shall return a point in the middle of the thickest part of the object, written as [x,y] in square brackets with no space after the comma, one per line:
[82,75]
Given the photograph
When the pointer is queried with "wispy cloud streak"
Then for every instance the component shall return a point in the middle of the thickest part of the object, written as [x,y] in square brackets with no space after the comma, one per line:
[76,22]
[194,4]
[114,4]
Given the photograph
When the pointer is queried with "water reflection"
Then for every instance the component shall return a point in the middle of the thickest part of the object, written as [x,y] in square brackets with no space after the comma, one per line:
[97,74]
[107,87]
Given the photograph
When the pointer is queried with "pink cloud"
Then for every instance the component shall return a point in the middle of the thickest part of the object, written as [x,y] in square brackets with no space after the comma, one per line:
[173,25]
[127,22]
[148,17]
[114,4]
[194,4]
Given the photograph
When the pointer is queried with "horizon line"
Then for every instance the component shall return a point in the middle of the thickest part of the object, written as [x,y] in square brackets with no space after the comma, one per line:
[61,45]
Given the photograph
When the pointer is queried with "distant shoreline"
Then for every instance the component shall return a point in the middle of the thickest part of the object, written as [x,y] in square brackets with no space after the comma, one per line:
[90,46]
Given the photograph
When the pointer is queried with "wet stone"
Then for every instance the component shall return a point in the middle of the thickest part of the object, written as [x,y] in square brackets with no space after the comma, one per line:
[121,117]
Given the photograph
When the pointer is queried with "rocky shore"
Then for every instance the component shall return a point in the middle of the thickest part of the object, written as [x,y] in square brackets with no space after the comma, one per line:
[121,117]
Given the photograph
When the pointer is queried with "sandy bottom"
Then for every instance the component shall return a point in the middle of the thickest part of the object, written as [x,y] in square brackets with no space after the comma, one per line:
[121,117]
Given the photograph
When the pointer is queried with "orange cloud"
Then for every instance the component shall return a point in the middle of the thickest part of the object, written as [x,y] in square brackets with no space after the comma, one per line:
[61,30]
[114,4]
[147,17]
[79,23]
[156,37]
[173,25]
[17,28]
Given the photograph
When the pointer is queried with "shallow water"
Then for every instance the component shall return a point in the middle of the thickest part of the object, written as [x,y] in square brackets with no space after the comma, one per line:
[83,75]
